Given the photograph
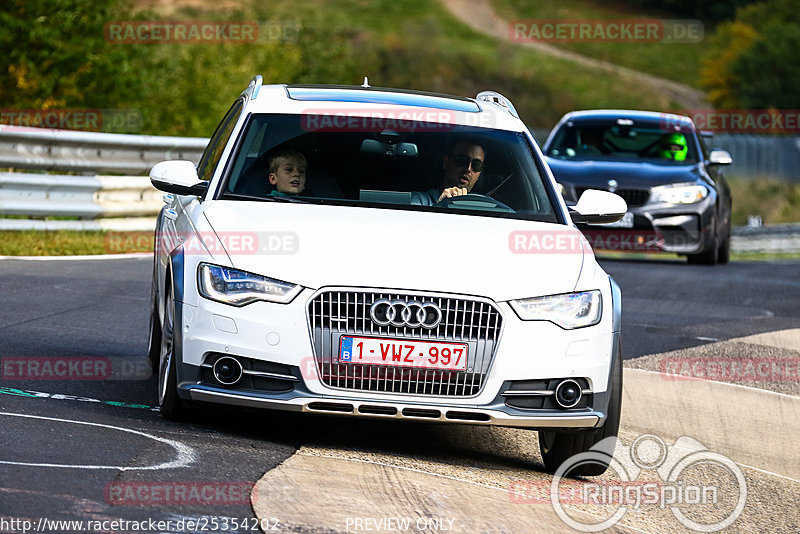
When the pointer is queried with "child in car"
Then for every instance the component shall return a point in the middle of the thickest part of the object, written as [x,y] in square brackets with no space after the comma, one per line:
[287,172]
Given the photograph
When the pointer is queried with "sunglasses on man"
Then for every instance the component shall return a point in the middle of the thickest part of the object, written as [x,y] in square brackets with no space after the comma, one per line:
[462,161]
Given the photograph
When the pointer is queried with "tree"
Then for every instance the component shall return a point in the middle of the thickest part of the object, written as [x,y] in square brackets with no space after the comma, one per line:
[770,69]
[752,60]
[65,61]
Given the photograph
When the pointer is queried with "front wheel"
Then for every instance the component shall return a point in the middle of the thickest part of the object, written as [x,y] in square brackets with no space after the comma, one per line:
[558,447]
[154,337]
[169,403]
[724,254]
[709,256]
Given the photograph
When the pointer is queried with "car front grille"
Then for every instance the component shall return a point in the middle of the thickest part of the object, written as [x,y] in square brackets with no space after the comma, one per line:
[475,322]
[633,197]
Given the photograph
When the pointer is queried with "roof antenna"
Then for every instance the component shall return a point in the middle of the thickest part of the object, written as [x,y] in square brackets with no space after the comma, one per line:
[366,82]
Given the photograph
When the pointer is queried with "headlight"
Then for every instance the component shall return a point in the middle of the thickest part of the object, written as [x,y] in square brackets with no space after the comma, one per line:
[238,288]
[571,310]
[683,194]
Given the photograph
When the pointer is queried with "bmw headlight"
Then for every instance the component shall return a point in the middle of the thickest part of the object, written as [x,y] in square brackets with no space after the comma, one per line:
[239,288]
[570,310]
[682,194]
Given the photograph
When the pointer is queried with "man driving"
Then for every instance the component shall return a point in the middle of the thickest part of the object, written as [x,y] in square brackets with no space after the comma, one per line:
[462,167]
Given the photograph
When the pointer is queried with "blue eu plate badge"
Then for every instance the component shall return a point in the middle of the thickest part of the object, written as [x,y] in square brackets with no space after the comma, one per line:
[346,350]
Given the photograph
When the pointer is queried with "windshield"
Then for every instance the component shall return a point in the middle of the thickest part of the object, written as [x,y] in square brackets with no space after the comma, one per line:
[316,159]
[611,140]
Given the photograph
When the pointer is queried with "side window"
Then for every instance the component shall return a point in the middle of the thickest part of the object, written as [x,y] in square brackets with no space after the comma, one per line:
[218,141]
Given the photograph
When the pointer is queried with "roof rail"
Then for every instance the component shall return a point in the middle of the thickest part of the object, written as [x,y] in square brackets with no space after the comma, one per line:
[496,98]
[252,90]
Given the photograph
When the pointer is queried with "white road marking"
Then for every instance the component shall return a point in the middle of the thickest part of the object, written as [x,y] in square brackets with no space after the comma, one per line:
[184,455]
[764,471]
[731,384]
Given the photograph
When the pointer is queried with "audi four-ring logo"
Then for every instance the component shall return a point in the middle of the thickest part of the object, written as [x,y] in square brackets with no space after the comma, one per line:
[385,312]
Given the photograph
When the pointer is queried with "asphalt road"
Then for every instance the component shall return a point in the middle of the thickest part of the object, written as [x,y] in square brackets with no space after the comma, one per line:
[95,449]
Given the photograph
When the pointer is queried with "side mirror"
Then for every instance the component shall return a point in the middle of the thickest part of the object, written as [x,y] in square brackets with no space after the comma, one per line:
[598,207]
[178,177]
[719,157]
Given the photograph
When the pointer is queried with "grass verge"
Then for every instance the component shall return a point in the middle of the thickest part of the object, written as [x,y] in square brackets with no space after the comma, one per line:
[73,243]
[774,200]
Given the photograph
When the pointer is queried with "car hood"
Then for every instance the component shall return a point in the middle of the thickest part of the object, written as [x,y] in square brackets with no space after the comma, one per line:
[637,175]
[317,246]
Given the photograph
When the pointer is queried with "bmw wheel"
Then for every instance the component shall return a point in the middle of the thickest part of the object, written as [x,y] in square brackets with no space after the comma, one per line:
[709,256]
[724,254]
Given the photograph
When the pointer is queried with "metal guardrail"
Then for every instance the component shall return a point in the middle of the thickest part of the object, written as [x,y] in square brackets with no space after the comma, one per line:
[100,202]
[90,152]
[772,238]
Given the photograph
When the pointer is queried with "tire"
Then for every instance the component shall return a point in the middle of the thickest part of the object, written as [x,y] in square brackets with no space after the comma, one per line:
[154,336]
[558,447]
[709,256]
[169,403]
[724,254]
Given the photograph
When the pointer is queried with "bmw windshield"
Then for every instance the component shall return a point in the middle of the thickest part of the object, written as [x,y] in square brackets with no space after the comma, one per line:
[618,140]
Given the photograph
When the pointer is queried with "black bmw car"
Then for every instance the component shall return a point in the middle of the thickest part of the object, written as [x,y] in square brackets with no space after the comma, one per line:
[678,199]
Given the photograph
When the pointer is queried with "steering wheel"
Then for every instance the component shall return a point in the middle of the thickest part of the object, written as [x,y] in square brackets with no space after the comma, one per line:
[474,197]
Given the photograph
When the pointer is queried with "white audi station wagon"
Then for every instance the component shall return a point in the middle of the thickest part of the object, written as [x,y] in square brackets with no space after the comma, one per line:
[390,254]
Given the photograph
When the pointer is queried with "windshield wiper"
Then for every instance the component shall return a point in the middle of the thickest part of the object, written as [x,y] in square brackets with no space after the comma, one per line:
[267,198]
[286,199]
[501,184]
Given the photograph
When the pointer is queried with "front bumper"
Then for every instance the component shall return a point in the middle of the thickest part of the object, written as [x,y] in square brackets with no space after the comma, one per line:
[275,345]
[498,415]
[679,229]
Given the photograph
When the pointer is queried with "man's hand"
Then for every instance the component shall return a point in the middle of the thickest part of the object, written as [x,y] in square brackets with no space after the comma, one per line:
[451,192]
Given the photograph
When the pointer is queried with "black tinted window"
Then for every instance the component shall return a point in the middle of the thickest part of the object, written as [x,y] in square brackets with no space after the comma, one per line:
[611,140]
[393,168]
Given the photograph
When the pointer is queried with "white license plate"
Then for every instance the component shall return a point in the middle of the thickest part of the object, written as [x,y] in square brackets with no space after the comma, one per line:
[403,353]
[625,222]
